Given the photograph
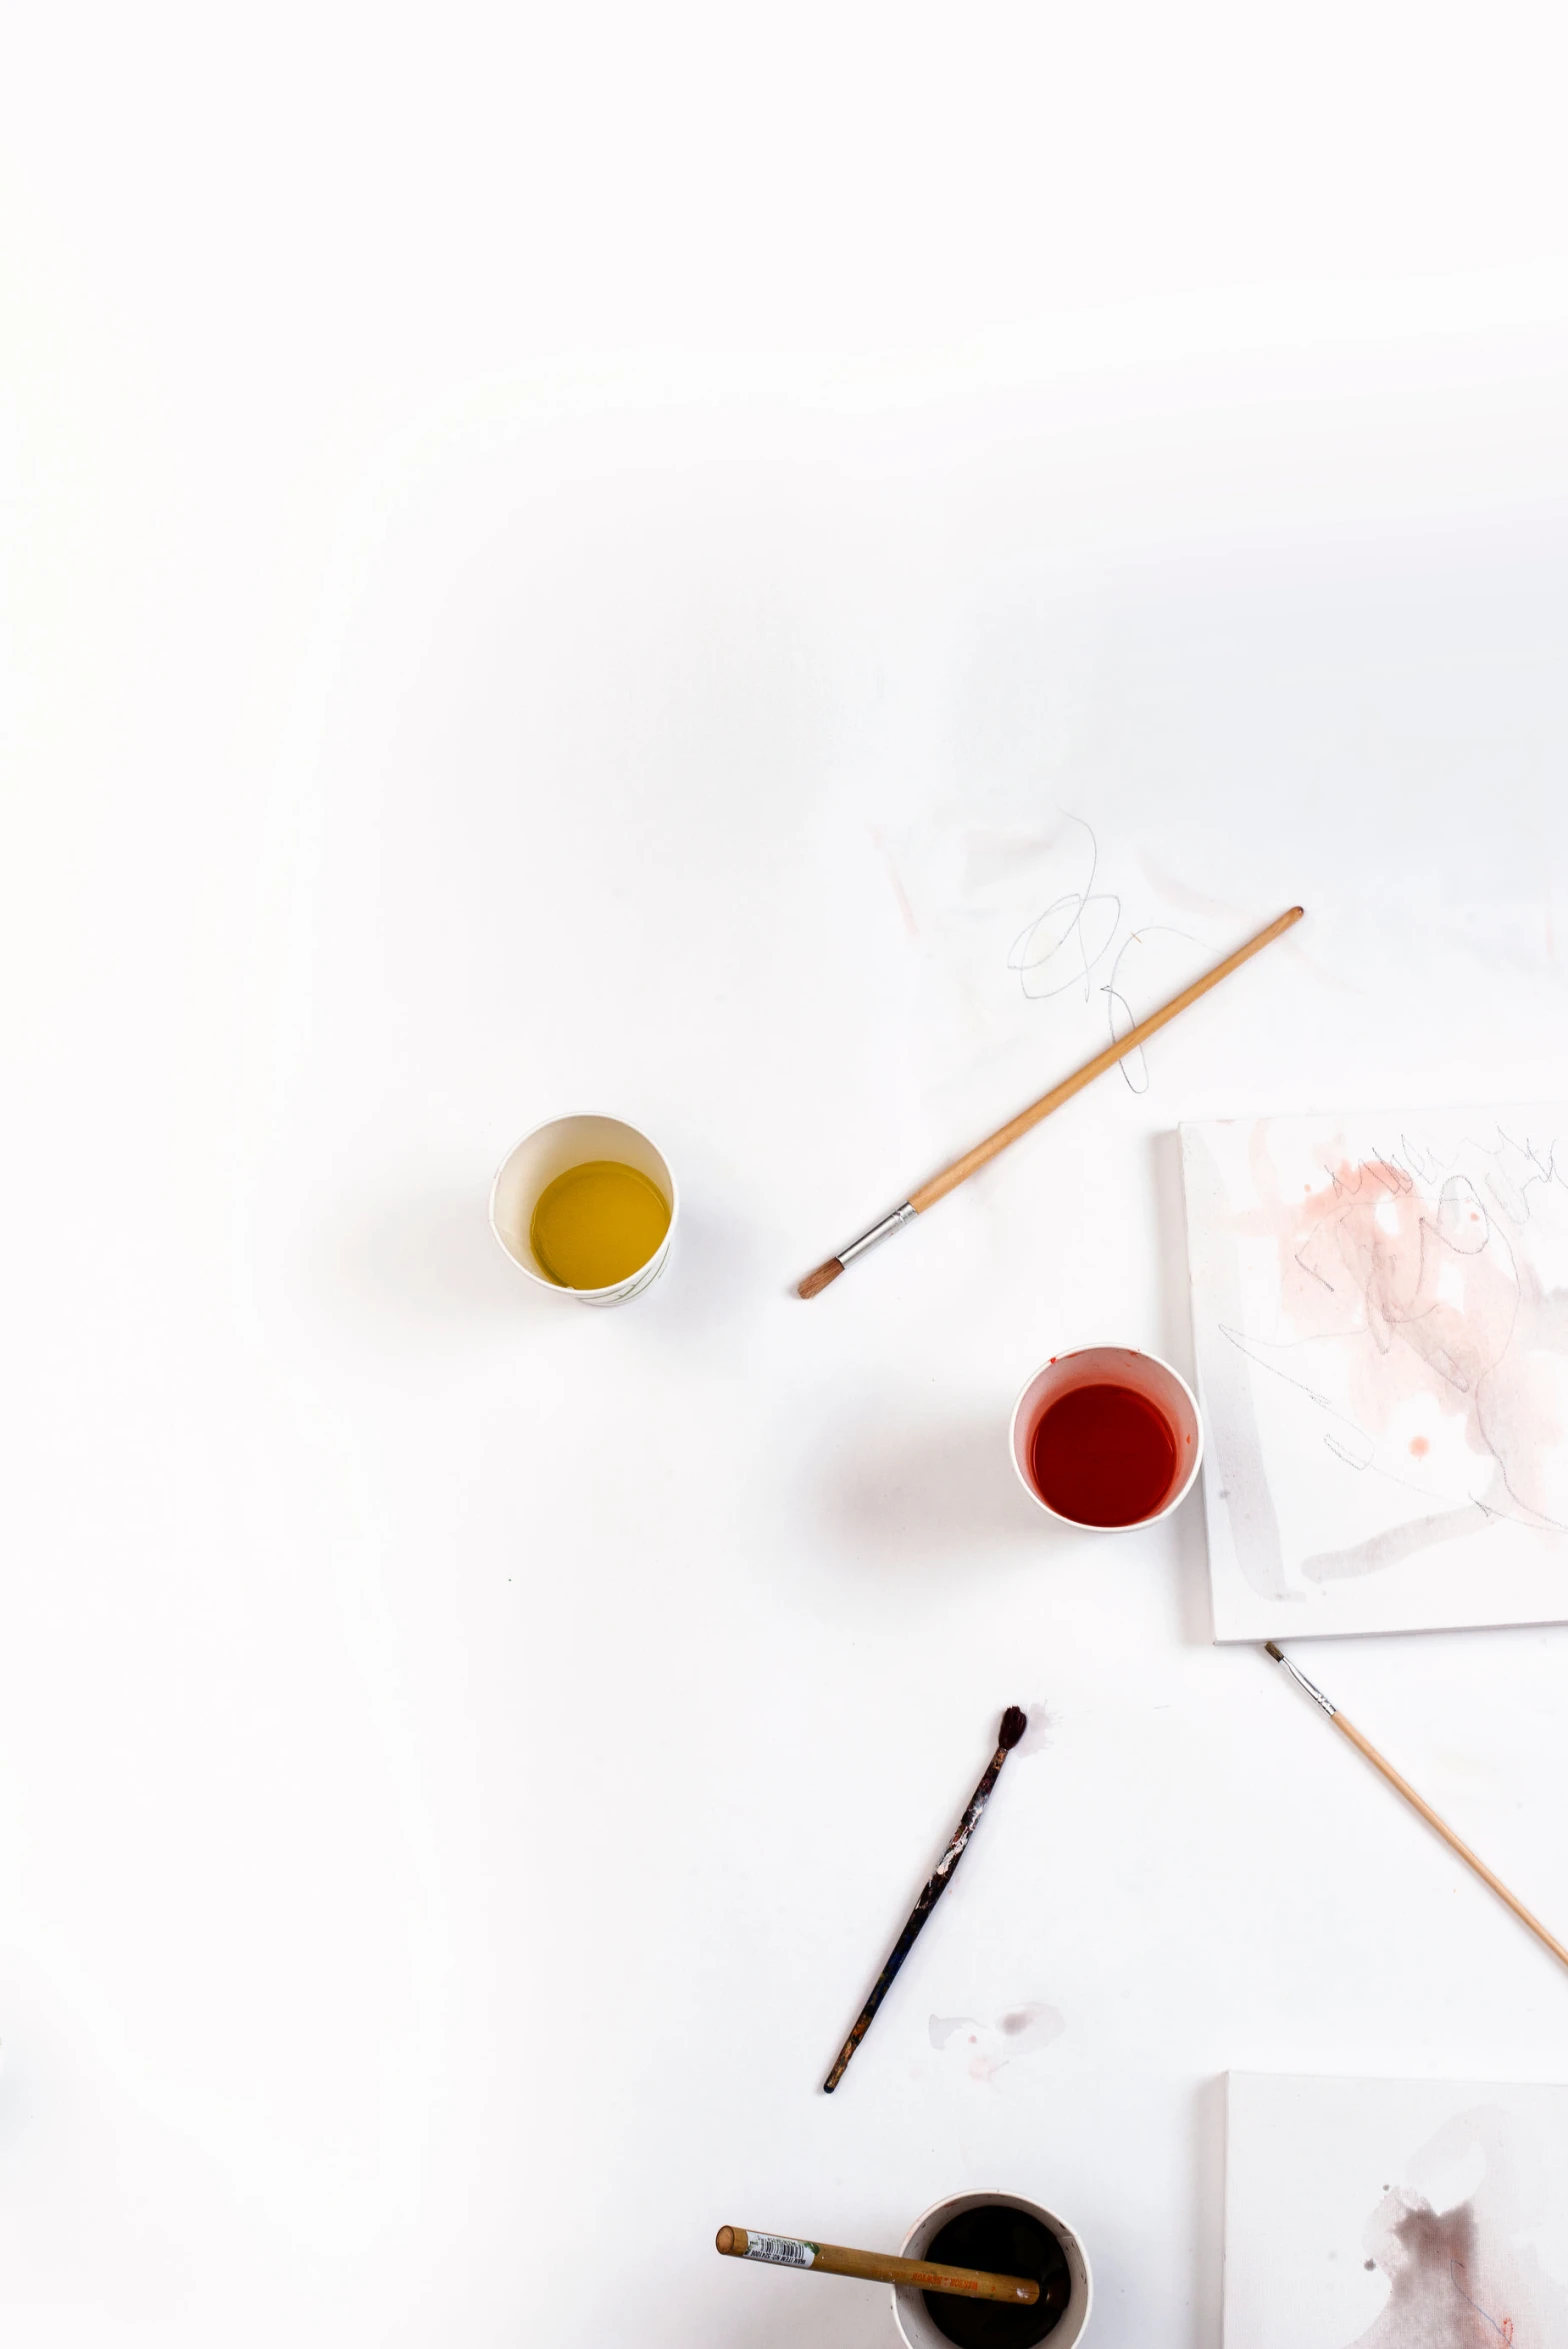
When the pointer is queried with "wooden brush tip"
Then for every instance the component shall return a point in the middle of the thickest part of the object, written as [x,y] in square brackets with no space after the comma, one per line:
[1014,1722]
[725,2241]
[815,1282]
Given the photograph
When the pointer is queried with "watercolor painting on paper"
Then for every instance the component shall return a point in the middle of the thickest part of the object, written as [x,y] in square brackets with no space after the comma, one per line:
[1380,1317]
[1395,2214]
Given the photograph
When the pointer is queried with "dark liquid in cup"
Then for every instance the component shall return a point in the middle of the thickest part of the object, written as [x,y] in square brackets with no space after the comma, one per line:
[1103,1455]
[1007,2243]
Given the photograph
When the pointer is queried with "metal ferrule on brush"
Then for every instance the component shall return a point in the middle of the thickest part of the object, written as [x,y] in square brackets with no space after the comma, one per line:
[1301,1680]
[879,1231]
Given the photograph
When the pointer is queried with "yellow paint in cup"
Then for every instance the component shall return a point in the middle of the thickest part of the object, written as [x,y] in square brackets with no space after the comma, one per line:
[586,1207]
[597,1224]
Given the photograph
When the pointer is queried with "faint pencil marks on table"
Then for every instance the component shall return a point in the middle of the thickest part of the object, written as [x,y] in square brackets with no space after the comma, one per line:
[1123,1018]
[1062,945]
[1065,945]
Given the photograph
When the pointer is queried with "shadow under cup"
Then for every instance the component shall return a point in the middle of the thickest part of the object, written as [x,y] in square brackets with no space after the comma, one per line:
[1154,1386]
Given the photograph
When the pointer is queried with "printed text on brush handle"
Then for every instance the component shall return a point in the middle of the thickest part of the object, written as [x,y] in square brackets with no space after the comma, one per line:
[837,2259]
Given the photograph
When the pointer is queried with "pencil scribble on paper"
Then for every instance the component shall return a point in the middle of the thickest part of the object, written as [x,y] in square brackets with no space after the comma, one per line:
[1381,1321]
[1079,925]
[1064,945]
[1024,945]
[1122,1016]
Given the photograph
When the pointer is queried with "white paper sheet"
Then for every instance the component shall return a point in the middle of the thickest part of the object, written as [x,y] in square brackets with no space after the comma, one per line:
[1380,1314]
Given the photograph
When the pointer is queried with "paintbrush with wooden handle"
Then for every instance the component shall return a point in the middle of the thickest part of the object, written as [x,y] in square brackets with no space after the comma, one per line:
[983,1152]
[1402,1786]
[876,2267]
[1014,1722]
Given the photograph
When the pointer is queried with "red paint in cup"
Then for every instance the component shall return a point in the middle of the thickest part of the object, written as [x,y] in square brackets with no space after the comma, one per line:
[1103,1455]
[1106,1438]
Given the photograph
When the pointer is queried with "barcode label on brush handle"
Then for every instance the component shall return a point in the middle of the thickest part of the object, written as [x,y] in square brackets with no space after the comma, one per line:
[780,2250]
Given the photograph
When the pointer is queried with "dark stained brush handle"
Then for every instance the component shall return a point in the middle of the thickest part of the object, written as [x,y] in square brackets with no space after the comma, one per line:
[933,1892]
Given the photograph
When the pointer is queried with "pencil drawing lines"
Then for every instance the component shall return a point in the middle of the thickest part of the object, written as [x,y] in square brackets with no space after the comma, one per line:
[1064,946]
[1505,2330]
[1073,934]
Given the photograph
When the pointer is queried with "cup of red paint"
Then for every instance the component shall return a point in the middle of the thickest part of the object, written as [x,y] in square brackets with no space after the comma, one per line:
[1107,1438]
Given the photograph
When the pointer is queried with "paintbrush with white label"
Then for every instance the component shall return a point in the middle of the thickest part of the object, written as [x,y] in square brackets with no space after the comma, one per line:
[876,2267]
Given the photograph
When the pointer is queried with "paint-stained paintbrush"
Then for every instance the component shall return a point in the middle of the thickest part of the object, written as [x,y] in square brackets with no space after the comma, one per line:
[1402,1786]
[877,2267]
[1014,1722]
[960,1170]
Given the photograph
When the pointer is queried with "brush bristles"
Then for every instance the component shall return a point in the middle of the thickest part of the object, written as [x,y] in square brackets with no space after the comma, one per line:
[1269,1649]
[1014,1722]
[815,1282]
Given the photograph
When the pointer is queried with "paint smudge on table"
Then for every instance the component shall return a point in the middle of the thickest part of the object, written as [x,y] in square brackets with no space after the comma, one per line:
[1042,1721]
[986,2049]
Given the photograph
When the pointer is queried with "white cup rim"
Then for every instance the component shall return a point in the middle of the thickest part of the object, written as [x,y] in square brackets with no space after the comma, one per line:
[1078,1524]
[611,1289]
[951,2204]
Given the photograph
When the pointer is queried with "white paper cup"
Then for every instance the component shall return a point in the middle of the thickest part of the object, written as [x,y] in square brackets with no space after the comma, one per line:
[552,1150]
[910,2313]
[1121,1366]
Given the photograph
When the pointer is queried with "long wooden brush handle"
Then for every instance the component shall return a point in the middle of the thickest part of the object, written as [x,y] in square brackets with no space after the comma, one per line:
[951,1176]
[1440,1827]
[877,2267]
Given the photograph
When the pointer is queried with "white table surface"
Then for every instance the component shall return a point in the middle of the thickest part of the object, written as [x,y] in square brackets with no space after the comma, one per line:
[567,565]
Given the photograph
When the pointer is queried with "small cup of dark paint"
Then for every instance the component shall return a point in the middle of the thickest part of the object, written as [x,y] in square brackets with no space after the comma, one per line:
[1007,2236]
[1107,1438]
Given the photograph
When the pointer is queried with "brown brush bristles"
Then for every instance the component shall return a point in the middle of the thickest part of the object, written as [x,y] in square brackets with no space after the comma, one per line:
[1014,1722]
[815,1282]
[1270,1649]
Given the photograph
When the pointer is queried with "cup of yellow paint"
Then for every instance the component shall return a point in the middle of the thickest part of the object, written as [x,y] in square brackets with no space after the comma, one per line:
[586,1206]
